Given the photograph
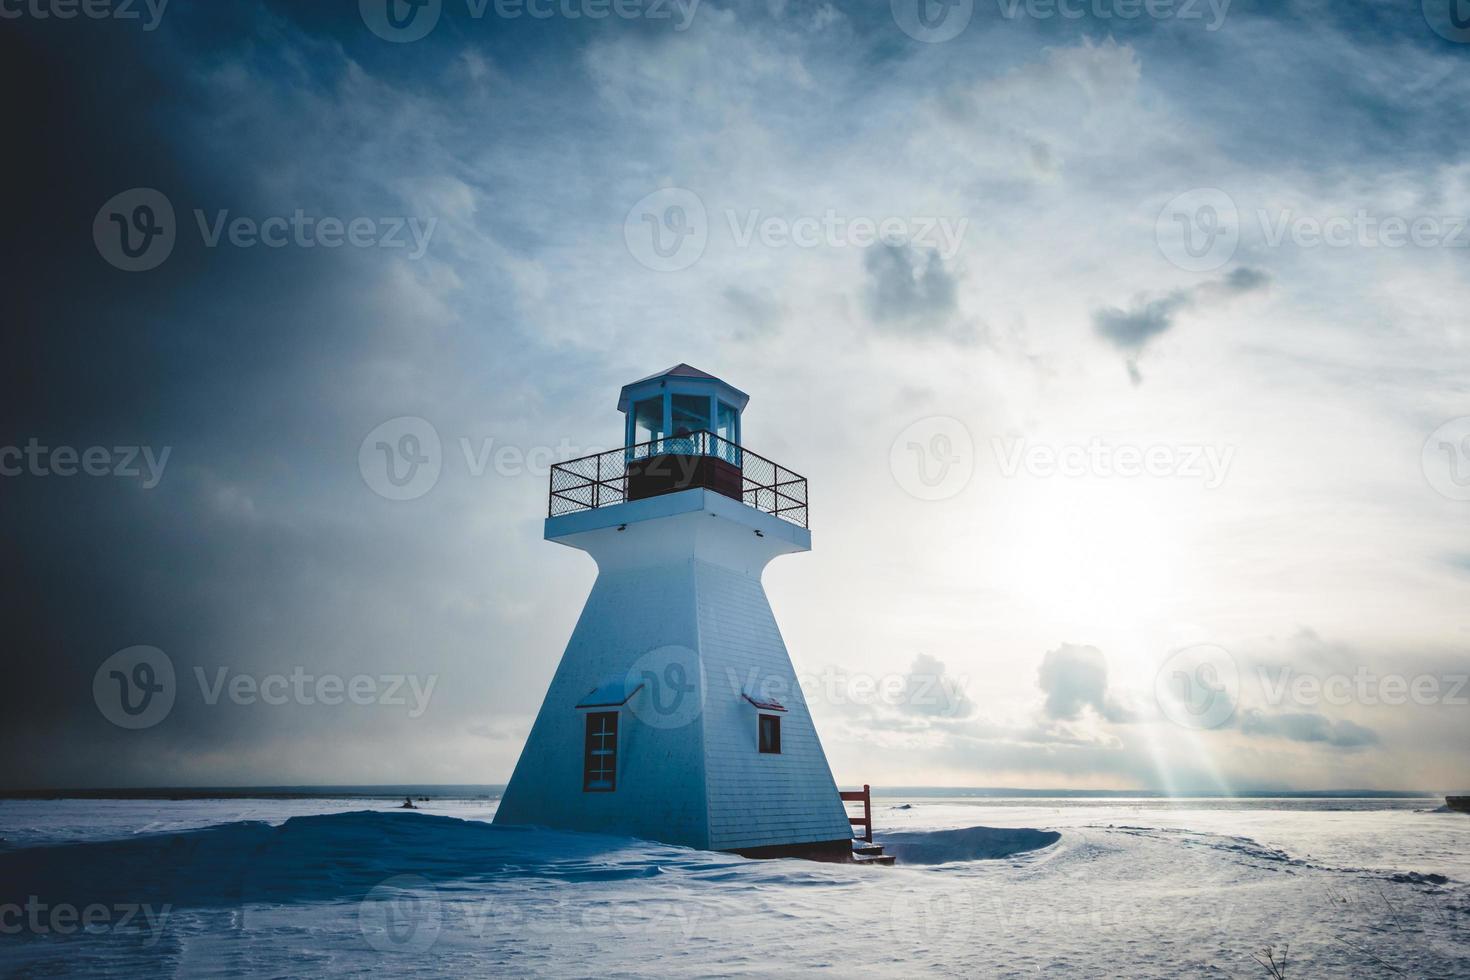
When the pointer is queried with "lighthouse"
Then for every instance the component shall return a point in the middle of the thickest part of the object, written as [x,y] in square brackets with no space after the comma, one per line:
[675,714]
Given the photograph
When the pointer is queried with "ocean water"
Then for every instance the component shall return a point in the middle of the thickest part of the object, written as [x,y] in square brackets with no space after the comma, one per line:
[985,886]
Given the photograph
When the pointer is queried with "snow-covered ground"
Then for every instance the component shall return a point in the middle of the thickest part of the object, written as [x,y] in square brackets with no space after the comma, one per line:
[1120,888]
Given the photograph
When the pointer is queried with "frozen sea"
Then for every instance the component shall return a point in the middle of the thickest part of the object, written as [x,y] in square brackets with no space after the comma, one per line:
[985,887]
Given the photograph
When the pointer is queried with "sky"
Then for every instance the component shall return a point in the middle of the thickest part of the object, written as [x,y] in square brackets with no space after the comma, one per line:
[1125,348]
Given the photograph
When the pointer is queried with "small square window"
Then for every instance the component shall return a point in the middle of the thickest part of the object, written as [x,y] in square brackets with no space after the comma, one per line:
[770,734]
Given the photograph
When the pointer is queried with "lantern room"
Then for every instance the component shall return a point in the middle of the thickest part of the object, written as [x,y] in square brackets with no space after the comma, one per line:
[679,402]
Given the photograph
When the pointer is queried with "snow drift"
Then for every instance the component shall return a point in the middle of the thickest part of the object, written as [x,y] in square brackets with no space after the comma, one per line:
[965,844]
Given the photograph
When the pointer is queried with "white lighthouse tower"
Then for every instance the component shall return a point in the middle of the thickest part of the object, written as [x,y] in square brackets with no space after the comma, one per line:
[675,714]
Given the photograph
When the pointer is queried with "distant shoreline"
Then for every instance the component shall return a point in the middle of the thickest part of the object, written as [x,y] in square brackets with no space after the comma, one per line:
[492,791]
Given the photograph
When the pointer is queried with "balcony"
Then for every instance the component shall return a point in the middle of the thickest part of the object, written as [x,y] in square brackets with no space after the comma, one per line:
[681,462]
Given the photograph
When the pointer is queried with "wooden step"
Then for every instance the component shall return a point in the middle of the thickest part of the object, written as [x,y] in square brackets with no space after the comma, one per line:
[866,852]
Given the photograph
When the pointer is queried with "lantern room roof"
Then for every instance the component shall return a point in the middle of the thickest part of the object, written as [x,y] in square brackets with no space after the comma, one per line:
[683,378]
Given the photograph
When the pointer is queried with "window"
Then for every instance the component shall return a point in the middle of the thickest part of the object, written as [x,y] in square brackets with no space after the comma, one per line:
[691,412]
[770,734]
[727,427]
[648,420]
[600,760]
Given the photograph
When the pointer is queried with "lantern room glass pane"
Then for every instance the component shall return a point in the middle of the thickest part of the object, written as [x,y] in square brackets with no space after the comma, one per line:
[727,427]
[725,424]
[648,420]
[691,413]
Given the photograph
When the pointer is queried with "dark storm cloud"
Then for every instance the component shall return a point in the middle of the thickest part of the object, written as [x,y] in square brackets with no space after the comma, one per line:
[910,293]
[1130,330]
[1074,677]
[259,370]
[1307,727]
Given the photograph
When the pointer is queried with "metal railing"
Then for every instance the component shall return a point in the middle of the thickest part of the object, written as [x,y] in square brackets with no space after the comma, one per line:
[601,480]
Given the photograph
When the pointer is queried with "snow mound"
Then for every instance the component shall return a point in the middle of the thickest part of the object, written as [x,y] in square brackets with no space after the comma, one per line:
[965,844]
[332,857]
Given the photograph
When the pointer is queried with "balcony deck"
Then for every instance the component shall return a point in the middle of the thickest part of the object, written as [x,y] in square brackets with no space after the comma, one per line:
[682,462]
